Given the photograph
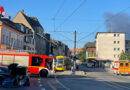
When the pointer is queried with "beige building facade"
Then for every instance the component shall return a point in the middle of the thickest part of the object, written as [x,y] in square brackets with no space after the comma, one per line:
[109,45]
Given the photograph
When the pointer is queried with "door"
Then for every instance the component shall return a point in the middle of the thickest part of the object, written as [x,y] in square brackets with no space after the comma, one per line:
[121,67]
[36,62]
[126,67]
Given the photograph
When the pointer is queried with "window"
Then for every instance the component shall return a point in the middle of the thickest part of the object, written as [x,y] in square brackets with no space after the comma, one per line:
[114,49]
[3,39]
[114,56]
[126,49]
[118,56]
[22,28]
[114,42]
[121,64]
[118,35]
[48,64]
[126,64]
[114,35]
[118,49]
[11,41]
[118,42]
[36,61]
[7,40]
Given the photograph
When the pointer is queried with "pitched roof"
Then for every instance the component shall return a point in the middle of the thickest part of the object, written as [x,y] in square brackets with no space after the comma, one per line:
[11,24]
[33,21]
[91,45]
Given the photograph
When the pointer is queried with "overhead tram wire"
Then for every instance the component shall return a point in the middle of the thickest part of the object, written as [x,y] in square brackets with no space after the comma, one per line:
[103,23]
[59,9]
[61,6]
[81,4]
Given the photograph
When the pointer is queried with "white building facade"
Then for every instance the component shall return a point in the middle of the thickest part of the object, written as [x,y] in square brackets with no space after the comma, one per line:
[109,45]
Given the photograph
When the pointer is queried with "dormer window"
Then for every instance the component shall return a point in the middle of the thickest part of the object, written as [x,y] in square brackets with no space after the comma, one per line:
[22,28]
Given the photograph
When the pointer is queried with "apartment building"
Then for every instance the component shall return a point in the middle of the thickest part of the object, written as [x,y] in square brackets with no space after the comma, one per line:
[11,36]
[109,45]
[40,39]
[15,36]
[91,50]
[127,46]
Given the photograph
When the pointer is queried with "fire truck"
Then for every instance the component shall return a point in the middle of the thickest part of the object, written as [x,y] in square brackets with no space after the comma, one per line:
[37,64]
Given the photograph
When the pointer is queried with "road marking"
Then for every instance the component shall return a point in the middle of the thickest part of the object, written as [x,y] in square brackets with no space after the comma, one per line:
[115,84]
[61,83]
[51,85]
[104,82]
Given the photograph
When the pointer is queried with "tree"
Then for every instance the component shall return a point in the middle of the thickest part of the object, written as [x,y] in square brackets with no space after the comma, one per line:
[124,56]
[82,54]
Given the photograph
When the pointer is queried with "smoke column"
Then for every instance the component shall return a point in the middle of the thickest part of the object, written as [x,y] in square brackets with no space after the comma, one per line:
[118,23]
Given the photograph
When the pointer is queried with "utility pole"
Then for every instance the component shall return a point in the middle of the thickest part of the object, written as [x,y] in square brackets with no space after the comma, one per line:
[75,49]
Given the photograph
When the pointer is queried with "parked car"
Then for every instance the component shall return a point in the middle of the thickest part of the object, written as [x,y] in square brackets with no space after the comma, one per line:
[16,76]
[4,73]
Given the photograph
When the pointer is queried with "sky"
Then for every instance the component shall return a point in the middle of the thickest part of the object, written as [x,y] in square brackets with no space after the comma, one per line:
[85,20]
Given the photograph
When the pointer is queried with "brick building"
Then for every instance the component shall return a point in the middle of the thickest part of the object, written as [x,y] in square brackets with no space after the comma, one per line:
[91,50]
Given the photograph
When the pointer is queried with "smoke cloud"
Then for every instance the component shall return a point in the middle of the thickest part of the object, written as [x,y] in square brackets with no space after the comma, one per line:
[118,23]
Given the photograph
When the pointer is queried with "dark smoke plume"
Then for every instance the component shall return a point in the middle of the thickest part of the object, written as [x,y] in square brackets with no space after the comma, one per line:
[118,23]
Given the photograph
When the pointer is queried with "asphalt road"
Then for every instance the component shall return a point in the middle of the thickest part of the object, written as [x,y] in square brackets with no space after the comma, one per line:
[93,79]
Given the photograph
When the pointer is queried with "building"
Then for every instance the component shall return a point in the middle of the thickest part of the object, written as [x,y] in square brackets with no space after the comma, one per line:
[109,45]
[78,50]
[15,36]
[12,36]
[127,46]
[40,38]
[91,50]
[58,48]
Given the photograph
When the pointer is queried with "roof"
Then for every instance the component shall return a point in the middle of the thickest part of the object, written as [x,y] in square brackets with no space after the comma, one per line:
[91,45]
[11,24]
[33,21]
[127,40]
[106,33]
[77,49]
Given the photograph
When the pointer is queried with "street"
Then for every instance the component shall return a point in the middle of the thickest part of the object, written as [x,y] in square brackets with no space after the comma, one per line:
[93,79]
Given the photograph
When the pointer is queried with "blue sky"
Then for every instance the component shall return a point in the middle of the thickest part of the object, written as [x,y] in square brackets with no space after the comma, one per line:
[86,19]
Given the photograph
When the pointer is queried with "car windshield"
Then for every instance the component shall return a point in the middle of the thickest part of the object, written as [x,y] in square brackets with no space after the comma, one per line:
[60,61]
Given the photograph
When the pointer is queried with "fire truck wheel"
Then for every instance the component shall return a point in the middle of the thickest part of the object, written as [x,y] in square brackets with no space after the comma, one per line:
[43,73]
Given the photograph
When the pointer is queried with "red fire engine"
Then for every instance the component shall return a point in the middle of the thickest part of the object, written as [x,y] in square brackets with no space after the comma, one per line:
[37,64]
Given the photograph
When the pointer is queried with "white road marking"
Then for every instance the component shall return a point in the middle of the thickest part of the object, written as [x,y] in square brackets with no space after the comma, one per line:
[51,85]
[61,83]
